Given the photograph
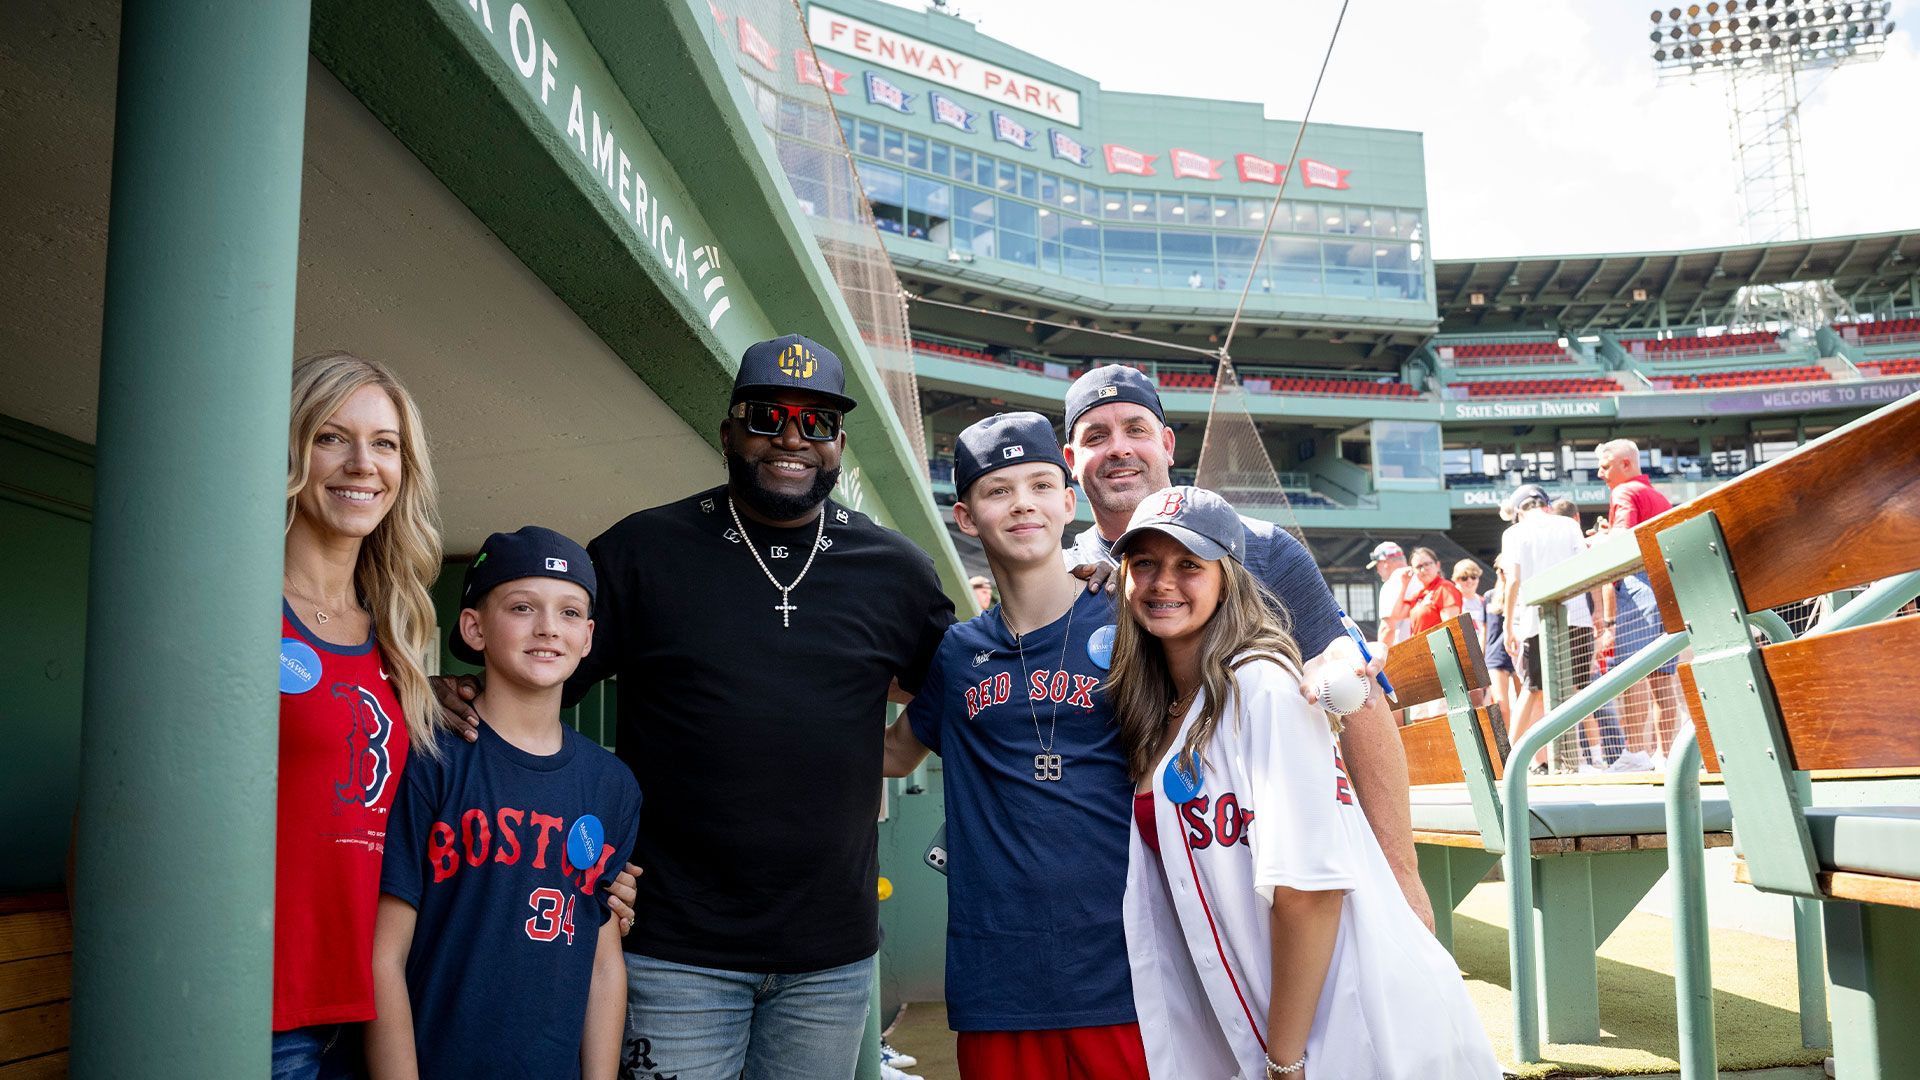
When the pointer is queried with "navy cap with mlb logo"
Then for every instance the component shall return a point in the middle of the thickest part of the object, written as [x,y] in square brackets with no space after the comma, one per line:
[1001,440]
[792,363]
[1203,522]
[530,551]
[1107,384]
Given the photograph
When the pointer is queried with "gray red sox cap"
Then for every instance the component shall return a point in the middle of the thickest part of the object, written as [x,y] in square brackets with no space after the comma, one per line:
[1107,384]
[792,363]
[1203,522]
[1001,440]
[530,551]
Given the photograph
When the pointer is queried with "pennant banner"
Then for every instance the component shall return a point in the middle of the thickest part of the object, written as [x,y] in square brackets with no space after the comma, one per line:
[1320,174]
[1065,148]
[813,73]
[756,46]
[1194,166]
[950,112]
[882,92]
[1258,170]
[1123,159]
[1007,129]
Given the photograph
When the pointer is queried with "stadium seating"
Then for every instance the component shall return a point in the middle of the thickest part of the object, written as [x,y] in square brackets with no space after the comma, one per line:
[1510,352]
[941,349]
[1884,329]
[1692,346]
[1536,387]
[1909,365]
[1721,380]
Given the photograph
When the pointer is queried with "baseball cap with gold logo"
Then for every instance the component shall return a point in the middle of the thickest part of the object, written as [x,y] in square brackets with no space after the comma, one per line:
[792,363]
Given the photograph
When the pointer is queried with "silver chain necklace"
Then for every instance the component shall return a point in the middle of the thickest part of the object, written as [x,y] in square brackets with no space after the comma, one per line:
[784,607]
[1046,764]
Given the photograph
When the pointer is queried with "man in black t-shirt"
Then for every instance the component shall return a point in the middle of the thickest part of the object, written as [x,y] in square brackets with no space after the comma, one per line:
[756,630]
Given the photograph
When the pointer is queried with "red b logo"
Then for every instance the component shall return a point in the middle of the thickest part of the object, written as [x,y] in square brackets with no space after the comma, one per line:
[1171,505]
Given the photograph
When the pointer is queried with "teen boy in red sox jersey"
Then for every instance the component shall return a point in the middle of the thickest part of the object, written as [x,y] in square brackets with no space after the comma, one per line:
[1036,786]
[494,952]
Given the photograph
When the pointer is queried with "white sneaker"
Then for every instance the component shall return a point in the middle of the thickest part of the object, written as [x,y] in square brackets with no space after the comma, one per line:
[1632,761]
[888,1072]
[890,1056]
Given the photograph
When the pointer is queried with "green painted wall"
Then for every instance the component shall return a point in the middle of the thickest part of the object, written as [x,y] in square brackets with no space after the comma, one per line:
[46,520]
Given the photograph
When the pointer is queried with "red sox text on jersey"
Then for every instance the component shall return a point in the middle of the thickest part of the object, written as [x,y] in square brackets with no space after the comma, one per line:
[1042,685]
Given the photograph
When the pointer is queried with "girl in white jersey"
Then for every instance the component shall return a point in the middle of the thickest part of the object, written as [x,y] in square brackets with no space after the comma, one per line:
[1268,936]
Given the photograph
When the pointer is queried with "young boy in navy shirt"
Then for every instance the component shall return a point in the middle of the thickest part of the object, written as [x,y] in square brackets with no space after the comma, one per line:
[494,952]
[1038,795]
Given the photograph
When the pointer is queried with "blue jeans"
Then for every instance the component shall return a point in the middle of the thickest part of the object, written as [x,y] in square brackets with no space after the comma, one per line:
[695,1023]
[320,1052]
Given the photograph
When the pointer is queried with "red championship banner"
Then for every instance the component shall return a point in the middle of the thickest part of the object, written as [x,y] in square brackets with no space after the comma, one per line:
[1124,159]
[1320,174]
[1194,166]
[719,17]
[756,46]
[812,72]
[1258,170]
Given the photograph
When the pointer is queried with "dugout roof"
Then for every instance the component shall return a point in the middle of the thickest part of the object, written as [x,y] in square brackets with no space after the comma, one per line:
[1579,293]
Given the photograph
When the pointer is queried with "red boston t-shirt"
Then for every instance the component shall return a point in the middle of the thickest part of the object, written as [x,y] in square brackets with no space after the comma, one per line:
[1432,599]
[1633,501]
[343,743]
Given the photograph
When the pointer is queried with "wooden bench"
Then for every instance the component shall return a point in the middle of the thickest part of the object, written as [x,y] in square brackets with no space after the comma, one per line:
[36,983]
[1577,901]
[1841,512]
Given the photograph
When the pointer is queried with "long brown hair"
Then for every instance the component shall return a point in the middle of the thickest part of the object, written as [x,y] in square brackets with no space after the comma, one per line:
[401,557]
[1247,624]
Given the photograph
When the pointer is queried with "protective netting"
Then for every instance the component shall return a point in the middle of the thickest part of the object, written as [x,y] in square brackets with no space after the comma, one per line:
[1234,460]
[793,91]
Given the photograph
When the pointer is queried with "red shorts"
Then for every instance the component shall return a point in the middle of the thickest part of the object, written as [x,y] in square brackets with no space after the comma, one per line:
[1113,1052]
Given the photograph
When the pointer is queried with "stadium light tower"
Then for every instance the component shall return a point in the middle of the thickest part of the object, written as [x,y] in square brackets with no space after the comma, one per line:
[1762,48]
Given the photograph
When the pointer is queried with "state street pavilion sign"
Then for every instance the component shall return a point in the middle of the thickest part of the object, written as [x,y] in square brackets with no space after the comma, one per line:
[960,71]
[1564,409]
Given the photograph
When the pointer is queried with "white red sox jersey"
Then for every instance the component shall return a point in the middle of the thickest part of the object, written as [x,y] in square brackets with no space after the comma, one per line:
[1275,808]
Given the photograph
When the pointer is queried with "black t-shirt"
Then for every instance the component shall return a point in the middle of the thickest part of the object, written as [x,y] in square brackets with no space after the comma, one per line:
[758,746]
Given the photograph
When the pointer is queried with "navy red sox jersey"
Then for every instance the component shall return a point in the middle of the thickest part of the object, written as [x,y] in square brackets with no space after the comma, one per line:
[489,845]
[1037,803]
[1275,809]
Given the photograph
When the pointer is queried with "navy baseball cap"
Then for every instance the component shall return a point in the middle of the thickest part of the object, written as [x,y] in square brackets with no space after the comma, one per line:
[531,551]
[1203,522]
[1001,440]
[1528,492]
[1106,385]
[792,363]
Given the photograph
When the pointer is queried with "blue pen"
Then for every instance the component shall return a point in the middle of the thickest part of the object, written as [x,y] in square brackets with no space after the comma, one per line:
[1360,643]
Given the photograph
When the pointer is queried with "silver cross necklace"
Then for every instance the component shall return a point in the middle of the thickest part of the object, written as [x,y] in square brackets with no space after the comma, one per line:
[785,607]
[1047,765]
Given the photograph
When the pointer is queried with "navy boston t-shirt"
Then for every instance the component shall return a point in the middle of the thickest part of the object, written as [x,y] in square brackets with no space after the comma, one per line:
[483,844]
[1036,869]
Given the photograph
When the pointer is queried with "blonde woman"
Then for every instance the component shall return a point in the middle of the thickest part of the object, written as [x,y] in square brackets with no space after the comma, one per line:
[363,545]
[1267,933]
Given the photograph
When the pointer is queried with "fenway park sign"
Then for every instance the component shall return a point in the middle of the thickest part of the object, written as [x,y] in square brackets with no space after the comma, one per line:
[890,49]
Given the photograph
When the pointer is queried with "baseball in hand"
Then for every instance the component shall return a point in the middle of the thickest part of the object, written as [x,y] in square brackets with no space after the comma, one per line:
[1343,691]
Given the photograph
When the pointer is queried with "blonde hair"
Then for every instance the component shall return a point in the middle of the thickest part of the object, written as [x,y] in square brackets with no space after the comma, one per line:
[401,557]
[1248,624]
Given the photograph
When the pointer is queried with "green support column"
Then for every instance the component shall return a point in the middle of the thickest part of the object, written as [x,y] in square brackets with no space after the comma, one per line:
[173,938]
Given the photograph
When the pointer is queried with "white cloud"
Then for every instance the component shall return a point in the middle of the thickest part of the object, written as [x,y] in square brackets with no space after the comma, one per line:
[1546,129]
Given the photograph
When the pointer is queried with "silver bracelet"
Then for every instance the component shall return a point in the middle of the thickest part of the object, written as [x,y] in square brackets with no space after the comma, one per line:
[1276,1069]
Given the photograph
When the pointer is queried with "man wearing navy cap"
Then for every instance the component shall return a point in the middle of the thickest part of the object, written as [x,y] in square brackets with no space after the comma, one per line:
[1036,784]
[756,630]
[1120,449]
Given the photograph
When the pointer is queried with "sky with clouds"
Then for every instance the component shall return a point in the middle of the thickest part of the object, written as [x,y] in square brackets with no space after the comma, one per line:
[1546,129]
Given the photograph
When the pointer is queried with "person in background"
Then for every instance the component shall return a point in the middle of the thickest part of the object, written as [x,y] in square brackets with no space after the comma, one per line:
[1629,614]
[1466,578]
[1387,560]
[1537,541]
[1434,599]
[982,590]
[363,545]
[1499,603]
